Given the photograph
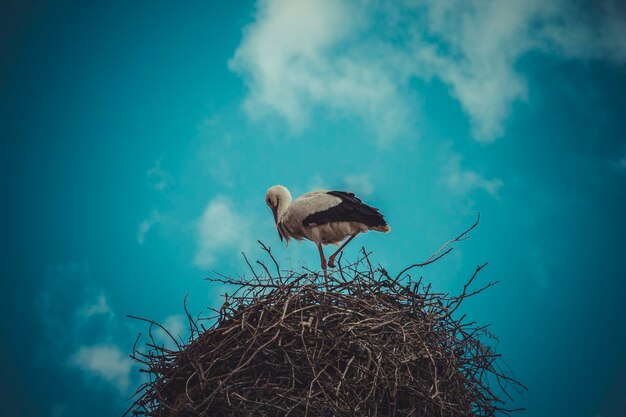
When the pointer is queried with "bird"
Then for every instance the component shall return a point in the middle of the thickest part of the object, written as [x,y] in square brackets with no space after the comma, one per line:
[323,217]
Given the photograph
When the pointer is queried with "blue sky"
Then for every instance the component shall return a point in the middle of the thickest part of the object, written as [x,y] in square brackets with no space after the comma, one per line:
[138,141]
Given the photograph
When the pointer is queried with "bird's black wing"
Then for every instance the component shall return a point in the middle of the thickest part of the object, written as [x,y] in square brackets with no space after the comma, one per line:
[350,209]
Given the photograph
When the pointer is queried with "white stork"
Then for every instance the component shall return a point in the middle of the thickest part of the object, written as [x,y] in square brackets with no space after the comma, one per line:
[324,217]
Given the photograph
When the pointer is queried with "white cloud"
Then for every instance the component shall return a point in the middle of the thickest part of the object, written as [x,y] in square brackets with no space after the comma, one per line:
[146,225]
[302,54]
[176,325]
[78,326]
[221,230]
[463,181]
[99,307]
[360,184]
[105,361]
[357,57]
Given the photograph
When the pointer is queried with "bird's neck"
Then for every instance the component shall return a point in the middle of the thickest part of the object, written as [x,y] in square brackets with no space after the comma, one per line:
[283,206]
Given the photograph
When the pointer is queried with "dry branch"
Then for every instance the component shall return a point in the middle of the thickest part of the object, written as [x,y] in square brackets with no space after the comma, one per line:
[371,345]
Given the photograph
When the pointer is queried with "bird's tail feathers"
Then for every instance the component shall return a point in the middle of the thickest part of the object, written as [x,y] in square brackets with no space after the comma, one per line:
[385,228]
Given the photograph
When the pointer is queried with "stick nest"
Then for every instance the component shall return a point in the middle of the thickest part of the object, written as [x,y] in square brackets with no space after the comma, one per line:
[369,345]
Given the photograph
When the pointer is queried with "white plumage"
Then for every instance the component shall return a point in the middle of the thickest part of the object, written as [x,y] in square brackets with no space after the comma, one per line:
[324,217]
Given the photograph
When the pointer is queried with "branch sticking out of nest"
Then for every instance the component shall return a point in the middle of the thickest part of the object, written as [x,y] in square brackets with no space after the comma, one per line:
[372,345]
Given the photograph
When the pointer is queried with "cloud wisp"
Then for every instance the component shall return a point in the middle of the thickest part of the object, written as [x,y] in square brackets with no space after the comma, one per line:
[148,224]
[177,327]
[221,229]
[105,361]
[360,184]
[78,326]
[158,177]
[463,181]
[358,58]
[99,307]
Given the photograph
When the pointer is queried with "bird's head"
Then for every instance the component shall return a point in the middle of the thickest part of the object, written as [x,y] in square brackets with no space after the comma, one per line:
[277,199]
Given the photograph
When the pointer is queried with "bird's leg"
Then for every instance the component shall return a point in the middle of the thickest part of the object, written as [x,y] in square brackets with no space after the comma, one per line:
[323,260]
[331,260]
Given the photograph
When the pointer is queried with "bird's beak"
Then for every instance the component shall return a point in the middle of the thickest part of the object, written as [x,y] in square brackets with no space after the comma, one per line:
[275,212]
